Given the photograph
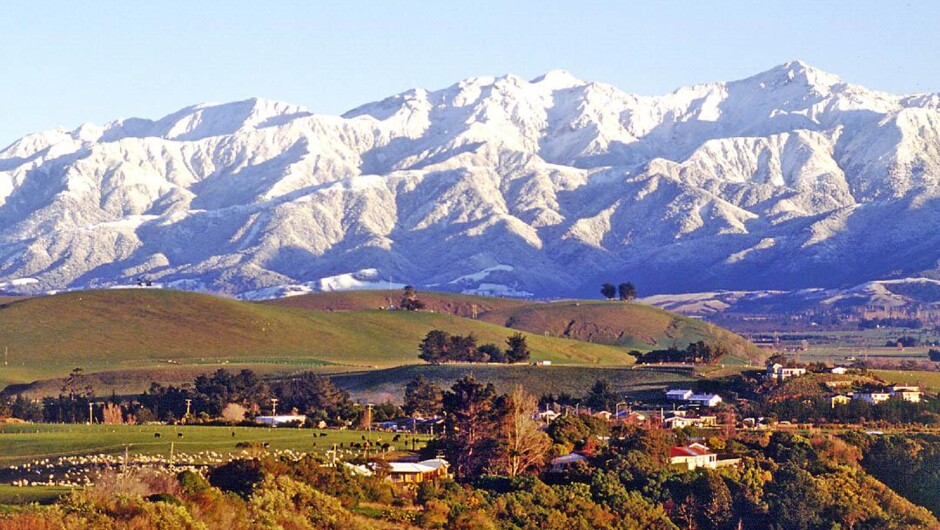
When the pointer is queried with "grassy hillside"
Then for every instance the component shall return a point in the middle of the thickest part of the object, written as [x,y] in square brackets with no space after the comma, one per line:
[628,325]
[452,303]
[137,329]
[625,324]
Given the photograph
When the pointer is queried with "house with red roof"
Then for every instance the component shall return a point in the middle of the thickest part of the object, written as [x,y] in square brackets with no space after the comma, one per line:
[692,456]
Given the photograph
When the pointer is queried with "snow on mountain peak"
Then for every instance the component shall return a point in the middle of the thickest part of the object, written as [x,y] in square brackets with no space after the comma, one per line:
[558,80]
[561,182]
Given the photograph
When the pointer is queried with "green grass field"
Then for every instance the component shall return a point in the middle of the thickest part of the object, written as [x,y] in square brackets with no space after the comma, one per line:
[380,385]
[24,443]
[153,329]
[929,381]
[17,496]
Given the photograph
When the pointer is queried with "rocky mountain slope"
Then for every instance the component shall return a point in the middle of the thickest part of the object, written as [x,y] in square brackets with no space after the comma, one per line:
[787,179]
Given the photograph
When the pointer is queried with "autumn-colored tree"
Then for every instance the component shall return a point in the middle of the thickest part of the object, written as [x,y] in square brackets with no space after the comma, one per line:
[523,445]
[111,414]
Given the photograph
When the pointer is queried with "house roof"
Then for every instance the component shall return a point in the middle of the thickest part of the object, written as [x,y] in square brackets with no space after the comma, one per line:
[569,458]
[678,392]
[690,450]
[425,466]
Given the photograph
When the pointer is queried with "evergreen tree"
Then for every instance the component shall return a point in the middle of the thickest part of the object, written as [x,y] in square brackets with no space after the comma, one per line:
[423,398]
[469,441]
[518,350]
[602,396]
[435,347]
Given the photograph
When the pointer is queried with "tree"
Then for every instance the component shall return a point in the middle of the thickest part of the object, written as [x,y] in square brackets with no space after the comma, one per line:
[470,437]
[934,355]
[601,396]
[409,299]
[491,353]
[423,398]
[518,351]
[608,290]
[626,291]
[310,393]
[435,347]
[524,445]
[793,498]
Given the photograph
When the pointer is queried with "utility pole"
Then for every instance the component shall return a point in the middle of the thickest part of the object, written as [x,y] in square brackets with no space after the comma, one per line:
[274,407]
[91,418]
[6,356]
[189,402]
[125,457]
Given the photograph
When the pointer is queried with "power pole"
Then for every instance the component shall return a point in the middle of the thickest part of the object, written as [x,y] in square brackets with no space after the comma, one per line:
[274,407]
[189,402]
[91,418]
[6,355]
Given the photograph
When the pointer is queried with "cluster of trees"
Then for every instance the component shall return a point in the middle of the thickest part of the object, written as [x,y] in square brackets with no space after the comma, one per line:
[696,352]
[601,396]
[500,456]
[626,291]
[894,322]
[934,355]
[439,347]
[222,395]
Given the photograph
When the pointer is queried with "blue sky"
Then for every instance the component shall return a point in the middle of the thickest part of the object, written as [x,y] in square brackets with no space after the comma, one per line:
[65,63]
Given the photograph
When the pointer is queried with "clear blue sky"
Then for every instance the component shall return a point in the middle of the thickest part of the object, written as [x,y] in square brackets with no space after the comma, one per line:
[68,62]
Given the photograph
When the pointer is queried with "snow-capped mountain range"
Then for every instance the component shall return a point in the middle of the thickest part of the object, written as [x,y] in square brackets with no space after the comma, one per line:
[787,179]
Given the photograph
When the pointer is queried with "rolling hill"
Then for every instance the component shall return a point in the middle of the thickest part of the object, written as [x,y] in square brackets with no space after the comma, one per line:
[626,324]
[137,329]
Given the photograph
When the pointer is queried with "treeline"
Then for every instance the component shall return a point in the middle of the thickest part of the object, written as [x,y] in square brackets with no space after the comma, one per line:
[231,397]
[893,322]
[697,352]
[440,347]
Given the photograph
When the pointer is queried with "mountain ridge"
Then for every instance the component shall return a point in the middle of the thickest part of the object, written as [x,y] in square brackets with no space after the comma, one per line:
[497,185]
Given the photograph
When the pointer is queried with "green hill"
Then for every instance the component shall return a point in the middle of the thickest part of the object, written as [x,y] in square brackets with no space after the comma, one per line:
[141,329]
[452,303]
[625,324]
[628,325]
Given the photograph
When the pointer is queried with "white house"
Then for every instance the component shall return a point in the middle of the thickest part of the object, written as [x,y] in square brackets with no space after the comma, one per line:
[705,400]
[692,456]
[910,393]
[680,421]
[679,395]
[780,372]
[872,397]
[280,419]
[418,471]
[841,370]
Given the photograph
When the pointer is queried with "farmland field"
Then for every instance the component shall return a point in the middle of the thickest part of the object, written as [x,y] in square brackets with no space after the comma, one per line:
[379,385]
[929,381]
[27,442]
